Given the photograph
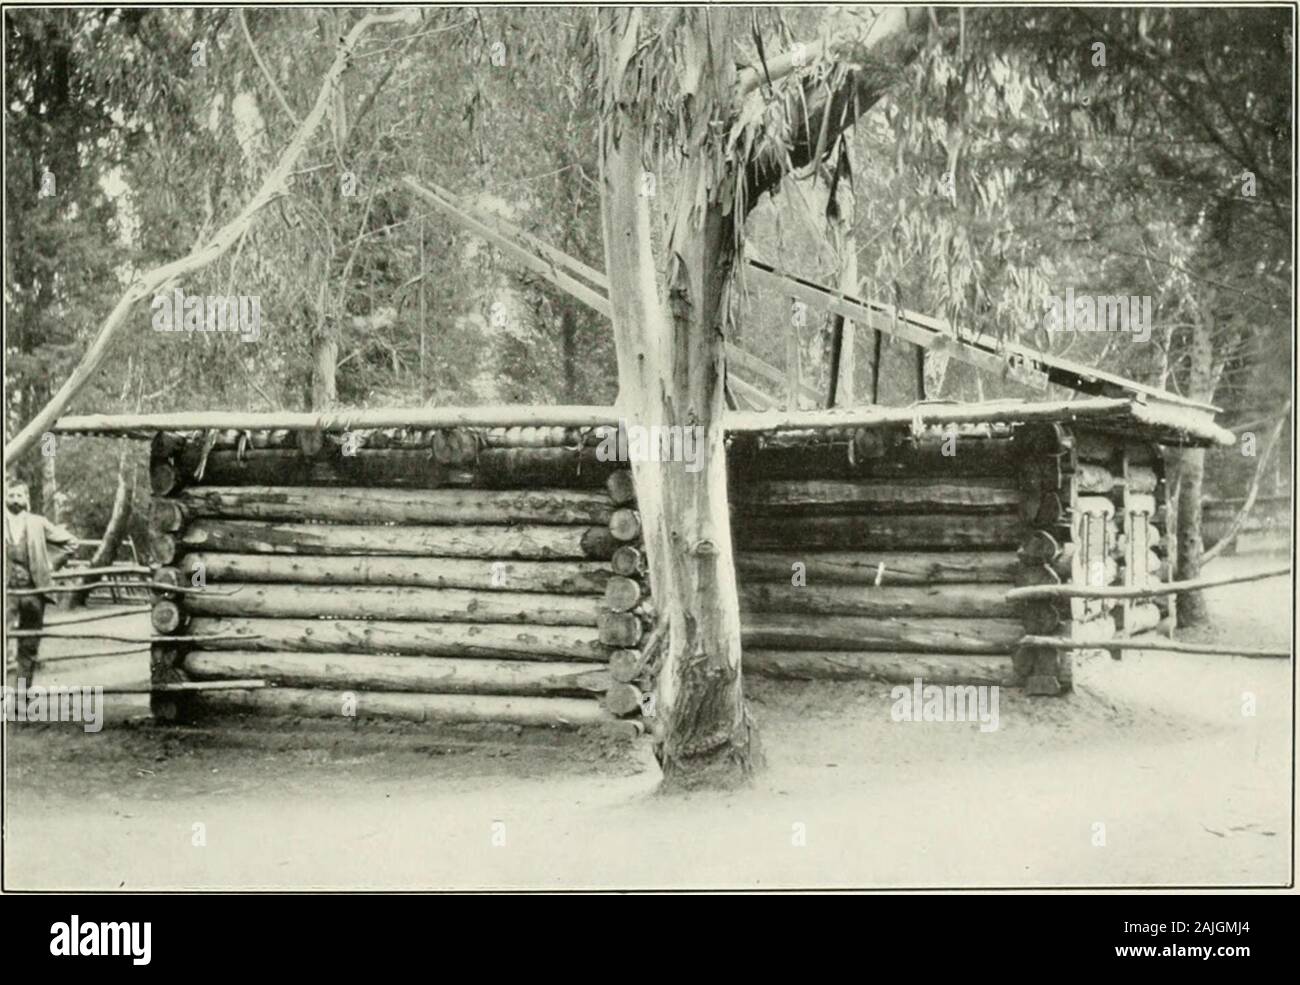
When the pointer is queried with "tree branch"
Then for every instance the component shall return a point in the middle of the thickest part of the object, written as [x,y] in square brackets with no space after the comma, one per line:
[1251,494]
[222,240]
[875,61]
[266,71]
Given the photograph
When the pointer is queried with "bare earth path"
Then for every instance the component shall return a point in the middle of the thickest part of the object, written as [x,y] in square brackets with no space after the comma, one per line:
[1155,748]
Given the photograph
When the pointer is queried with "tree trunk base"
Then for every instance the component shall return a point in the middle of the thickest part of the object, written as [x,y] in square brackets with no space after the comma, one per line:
[1192,609]
[728,765]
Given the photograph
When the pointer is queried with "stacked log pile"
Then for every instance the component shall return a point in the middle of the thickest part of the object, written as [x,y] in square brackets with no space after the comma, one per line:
[1090,499]
[453,575]
[876,553]
[627,621]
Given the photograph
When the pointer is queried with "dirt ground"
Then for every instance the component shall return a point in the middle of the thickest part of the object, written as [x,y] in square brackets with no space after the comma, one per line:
[1150,774]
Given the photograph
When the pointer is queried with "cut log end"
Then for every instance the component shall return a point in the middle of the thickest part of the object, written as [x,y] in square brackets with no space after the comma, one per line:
[625,524]
[164,548]
[627,561]
[621,488]
[163,478]
[622,594]
[622,699]
[619,629]
[625,665]
[166,616]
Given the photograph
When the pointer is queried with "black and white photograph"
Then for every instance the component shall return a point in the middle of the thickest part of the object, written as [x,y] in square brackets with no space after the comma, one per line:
[649,449]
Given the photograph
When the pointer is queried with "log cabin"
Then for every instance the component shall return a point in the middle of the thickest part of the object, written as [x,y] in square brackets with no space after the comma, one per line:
[467,564]
[485,564]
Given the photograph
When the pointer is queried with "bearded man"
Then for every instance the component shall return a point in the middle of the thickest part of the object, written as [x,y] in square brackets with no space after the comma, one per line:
[34,549]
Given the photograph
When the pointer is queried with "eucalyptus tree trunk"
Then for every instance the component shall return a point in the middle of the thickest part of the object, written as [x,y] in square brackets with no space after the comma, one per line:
[671,363]
[673,95]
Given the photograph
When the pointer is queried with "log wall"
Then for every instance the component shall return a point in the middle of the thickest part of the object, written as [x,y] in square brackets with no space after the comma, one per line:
[452,575]
[887,554]
[879,553]
[469,574]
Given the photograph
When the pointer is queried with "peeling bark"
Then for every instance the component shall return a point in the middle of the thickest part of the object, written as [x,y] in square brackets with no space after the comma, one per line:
[671,348]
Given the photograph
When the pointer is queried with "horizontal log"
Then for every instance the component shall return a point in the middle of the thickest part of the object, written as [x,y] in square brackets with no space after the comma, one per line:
[934,635]
[1161,602]
[60,620]
[565,577]
[955,601]
[232,685]
[976,495]
[1171,646]
[167,638]
[1139,591]
[409,468]
[881,532]
[1091,478]
[900,668]
[492,468]
[534,542]
[885,567]
[371,505]
[76,589]
[547,436]
[746,462]
[107,569]
[444,708]
[397,602]
[1170,412]
[508,642]
[436,675]
[345,419]
[974,457]
[503,468]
